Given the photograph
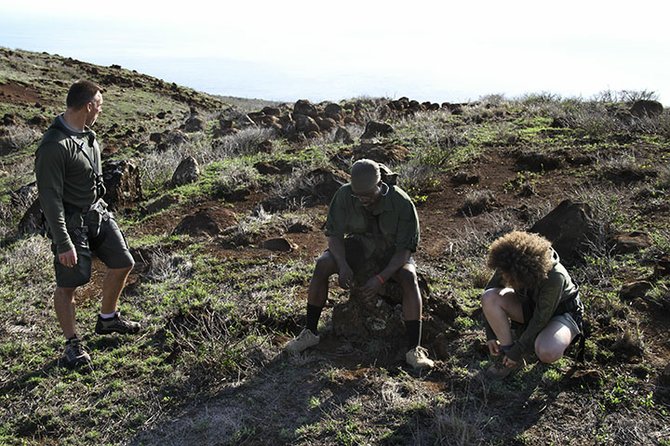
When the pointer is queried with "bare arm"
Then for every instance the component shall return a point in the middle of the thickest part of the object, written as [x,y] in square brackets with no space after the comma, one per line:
[399,259]
[345,275]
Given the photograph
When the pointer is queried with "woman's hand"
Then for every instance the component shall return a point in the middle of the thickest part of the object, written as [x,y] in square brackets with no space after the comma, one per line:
[508,362]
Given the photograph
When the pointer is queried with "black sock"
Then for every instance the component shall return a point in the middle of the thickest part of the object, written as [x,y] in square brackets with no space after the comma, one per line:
[313,315]
[413,333]
[68,340]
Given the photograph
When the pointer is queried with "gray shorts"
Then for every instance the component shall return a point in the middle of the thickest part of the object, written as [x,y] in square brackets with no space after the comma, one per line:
[567,320]
[109,246]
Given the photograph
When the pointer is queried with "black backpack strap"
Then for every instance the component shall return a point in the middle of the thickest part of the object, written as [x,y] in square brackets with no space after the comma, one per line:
[100,189]
[582,348]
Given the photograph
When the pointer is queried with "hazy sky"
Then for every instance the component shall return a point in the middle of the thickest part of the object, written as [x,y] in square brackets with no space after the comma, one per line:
[426,50]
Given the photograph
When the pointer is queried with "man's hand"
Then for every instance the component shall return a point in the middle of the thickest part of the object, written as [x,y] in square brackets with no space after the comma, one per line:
[494,347]
[346,277]
[371,287]
[68,258]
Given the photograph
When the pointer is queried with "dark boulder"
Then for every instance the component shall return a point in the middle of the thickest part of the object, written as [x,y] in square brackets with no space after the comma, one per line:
[123,183]
[271,111]
[193,124]
[279,244]
[333,111]
[200,223]
[374,129]
[537,162]
[638,288]
[343,135]
[305,124]
[306,108]
[32,221]
[461,178]
[646,109]
[630,242]
[569,227]
[187,172]
[389,154]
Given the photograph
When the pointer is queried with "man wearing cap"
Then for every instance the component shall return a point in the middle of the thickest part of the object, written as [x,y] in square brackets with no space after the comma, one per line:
[369,222]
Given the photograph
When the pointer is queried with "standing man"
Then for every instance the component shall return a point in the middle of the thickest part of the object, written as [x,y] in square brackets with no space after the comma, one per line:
[369,223]
[70,185]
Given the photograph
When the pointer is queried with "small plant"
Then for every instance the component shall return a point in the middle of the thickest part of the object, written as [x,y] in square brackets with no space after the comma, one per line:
[417,180]
[235,177]
[477,202]
[464,323]
[314,402]
[523,182]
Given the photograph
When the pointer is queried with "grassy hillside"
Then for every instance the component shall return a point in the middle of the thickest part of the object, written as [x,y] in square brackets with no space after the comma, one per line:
[218,304]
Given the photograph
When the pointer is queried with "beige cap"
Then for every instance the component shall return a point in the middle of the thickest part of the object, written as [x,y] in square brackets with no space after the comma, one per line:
[365,175]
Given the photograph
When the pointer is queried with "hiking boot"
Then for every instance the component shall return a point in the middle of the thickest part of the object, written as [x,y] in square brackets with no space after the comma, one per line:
[117,324]
[74,354]
[498,370]
[305,340]
[418,358]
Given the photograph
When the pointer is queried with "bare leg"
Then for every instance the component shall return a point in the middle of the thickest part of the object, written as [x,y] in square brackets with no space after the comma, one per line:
[411,295]
[552,342]
[317,293]
[65,310]
[500,305]
[115,280]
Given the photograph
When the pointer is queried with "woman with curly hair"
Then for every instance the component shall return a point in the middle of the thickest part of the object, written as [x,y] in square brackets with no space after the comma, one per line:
[531,288]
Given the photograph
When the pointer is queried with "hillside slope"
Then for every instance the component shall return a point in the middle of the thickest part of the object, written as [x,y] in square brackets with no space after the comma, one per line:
[223,264]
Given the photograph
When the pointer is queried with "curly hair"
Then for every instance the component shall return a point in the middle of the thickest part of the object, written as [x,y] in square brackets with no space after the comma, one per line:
[524,259]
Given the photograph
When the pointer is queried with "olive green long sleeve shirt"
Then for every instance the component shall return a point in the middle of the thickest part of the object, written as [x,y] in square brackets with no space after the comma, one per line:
[65,176]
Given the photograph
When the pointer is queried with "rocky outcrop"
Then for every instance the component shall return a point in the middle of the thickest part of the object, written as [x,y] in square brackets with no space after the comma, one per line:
[187,172]
[305,120]
[123,183]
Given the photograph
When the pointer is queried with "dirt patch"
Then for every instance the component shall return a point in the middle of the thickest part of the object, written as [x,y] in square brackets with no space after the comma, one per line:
[14,93]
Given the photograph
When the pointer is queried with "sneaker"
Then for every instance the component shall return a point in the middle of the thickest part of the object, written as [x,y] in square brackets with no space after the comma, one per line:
[117,324]
[418,358]
[74,354]
[305,340]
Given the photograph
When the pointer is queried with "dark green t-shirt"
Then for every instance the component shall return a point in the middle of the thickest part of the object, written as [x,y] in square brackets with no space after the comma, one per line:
[390,226]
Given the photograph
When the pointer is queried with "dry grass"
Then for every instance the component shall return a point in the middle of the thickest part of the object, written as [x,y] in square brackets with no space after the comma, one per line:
[244,142]
[477,202]
[462,422]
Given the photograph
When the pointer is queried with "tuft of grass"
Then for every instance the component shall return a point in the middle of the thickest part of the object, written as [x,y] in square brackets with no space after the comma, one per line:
[477,202]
